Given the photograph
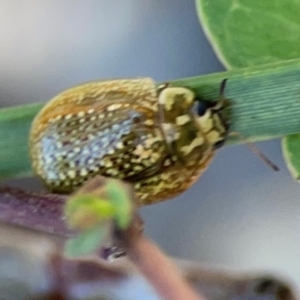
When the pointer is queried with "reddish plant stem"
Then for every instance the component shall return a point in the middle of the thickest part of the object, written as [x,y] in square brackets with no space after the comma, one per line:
[161,273]
[38,211]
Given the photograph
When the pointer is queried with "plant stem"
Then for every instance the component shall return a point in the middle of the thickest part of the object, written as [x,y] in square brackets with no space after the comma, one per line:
[42,212]
[264,104]
[161,273]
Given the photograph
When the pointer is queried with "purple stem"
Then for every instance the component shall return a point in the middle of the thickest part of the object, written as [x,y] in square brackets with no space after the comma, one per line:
[39,211]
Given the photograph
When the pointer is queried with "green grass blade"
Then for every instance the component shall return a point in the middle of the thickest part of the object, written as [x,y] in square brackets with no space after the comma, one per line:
[265,104]
[265,100]
[14,129]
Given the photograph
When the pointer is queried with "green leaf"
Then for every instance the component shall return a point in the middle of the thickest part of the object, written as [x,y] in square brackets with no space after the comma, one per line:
[120,196]
[291,154]
[83,211]
[87,242]
[247,32]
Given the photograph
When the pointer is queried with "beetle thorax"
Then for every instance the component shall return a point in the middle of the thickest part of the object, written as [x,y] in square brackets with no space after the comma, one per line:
[182,131]
[213,127]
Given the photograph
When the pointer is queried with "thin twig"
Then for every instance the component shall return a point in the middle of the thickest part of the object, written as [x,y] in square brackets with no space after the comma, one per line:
[157,268]
[160,271]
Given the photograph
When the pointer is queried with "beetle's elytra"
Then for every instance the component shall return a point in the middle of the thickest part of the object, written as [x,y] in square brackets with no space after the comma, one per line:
[127,129]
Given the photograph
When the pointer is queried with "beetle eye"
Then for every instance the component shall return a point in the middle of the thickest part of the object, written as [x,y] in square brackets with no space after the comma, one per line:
[202,107]
[219,144]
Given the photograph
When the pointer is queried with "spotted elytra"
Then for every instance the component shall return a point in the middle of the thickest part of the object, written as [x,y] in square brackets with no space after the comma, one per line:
[127,129]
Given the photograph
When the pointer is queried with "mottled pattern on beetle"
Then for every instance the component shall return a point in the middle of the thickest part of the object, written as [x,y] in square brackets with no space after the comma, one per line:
[190,151]
[122,129]
[114,135]
[171,182]
[181,127]
[212,127]
[97,96]
[71,151]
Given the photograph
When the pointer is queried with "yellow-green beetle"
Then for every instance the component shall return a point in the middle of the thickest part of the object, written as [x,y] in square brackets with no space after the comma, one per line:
[128,129]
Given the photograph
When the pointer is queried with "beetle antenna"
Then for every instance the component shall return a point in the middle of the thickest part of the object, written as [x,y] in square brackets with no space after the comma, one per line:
[221,101]
[162,86]
[256,151]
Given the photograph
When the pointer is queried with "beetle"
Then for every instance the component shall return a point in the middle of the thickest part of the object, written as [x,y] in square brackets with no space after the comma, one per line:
[159,139]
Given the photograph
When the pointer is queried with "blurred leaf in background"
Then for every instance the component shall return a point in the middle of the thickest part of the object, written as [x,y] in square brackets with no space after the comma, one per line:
[96,211]
[245,33]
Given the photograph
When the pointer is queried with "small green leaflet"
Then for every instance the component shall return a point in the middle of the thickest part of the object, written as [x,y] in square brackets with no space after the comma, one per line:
[87,242]
[120,198]
[96,214]
[83,211]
